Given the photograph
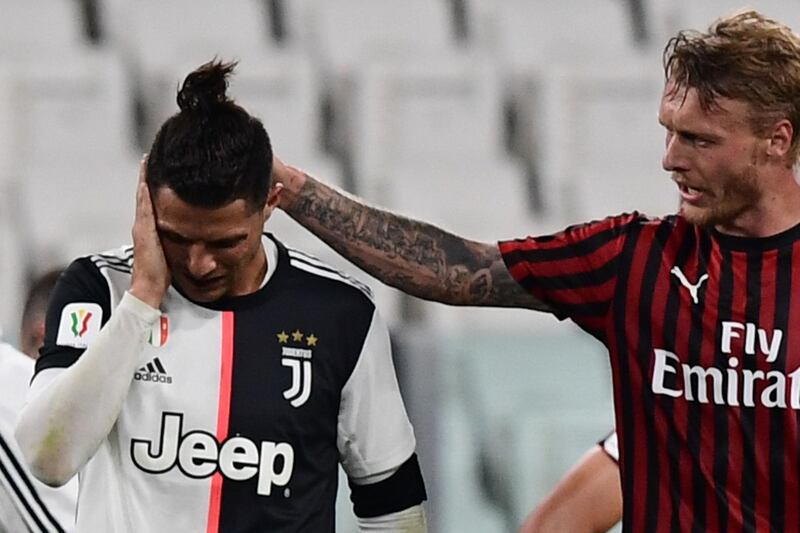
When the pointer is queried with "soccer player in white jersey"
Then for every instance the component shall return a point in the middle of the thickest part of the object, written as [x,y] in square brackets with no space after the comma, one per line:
[26,504]
[209,378]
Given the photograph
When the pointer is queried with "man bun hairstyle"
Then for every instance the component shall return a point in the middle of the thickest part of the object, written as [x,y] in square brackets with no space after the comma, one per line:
[212,151]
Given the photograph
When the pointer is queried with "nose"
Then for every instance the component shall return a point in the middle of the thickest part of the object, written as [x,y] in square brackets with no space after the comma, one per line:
[200,262]
[673,160]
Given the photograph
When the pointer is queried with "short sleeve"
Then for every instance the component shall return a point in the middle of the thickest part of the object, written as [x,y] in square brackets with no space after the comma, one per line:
[574,271]
[79,306]
[610,445]
[374,433]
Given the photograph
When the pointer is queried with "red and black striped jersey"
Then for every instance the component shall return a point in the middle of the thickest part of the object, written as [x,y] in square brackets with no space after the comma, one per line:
[704,340]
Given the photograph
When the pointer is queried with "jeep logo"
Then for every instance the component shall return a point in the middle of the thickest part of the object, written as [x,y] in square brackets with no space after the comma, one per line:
[198,454]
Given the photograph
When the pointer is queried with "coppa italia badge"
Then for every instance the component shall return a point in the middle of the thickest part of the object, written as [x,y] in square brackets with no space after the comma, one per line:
[79,325]
[298,359]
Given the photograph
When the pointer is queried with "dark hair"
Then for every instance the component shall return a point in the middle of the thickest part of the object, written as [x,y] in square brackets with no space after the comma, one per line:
[744,56]
[212,152]
[35,308]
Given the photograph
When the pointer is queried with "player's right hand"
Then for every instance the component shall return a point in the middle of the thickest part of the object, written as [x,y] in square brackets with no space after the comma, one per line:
[151,275]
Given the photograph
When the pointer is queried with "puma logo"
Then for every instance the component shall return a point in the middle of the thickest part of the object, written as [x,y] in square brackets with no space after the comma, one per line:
[685,282]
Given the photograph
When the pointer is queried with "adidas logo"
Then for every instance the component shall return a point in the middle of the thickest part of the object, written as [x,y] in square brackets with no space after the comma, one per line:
[153,371]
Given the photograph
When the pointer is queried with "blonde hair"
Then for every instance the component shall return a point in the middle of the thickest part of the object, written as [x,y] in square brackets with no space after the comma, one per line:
[744,56]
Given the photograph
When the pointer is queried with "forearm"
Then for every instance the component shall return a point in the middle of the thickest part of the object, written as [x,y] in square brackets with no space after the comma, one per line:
[413,256]
[62,426]
[411,520]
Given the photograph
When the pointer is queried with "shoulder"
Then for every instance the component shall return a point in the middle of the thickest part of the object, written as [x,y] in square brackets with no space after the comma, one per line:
[118,260]
[324,277]
[91,269]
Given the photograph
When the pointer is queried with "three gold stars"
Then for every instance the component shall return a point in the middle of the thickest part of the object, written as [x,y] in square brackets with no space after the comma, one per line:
[297,336]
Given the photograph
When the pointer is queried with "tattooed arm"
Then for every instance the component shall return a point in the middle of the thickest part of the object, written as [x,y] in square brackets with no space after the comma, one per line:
[412,256]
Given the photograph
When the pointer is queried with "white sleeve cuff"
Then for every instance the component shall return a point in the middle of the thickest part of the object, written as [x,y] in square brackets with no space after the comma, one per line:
[411,520]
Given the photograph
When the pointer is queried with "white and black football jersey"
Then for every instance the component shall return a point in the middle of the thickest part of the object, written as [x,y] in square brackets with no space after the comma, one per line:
[242,409]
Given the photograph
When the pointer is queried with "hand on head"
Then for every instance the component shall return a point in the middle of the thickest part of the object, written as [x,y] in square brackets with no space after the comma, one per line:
[289,180]
[151,275]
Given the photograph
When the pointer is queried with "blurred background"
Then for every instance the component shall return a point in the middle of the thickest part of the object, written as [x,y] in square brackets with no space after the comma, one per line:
[491,118]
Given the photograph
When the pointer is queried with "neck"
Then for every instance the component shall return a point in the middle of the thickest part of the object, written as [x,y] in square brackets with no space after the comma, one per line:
[777,210]
[253,274]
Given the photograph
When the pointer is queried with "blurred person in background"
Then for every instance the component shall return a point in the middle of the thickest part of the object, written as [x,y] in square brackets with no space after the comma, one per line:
[588,499]
[209,378]
[26,504]
[696,309]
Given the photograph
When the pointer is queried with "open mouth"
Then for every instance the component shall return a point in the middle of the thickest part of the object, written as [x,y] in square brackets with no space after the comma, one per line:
[690,194]
[206,283]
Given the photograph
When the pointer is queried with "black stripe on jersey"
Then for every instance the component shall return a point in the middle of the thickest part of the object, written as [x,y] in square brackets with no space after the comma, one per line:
[674,445]
[159,366]
[752,314]
[127,254]
[110,266]
[402,490]
[43,518]
[578,249]
[783,288]
[721,426]
[644,313]
[126,261]
[695,409]
[589,278]
[627,436]
[310,264]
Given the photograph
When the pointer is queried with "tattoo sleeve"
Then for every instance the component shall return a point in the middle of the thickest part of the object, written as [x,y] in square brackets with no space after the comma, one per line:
[412,256]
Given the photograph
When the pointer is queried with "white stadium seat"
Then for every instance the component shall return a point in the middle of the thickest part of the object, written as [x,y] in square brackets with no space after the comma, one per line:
[600,143]
[30,29]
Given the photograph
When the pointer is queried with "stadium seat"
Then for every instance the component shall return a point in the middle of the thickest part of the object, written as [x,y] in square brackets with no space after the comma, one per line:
[440,111]
[349,33]
[32,29]
[531,413]
[529,34]
[346,37]
[13,265]
[159,37]
[73,156]
[70,108]
[598,144]
[670,16]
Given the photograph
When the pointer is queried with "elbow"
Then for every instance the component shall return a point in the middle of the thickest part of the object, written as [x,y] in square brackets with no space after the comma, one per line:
[44,459]
[51,475]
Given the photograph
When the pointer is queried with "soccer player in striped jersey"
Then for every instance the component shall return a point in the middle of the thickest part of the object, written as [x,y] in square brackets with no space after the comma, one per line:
[209,378]
[696,309]
[588,499]
[26,504]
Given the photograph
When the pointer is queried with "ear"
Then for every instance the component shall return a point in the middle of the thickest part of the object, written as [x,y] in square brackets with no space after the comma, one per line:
[273,198]
[779,141]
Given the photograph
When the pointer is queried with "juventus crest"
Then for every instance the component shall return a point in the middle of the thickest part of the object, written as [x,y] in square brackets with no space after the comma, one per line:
[298,360]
